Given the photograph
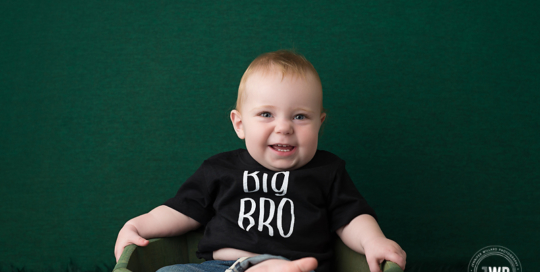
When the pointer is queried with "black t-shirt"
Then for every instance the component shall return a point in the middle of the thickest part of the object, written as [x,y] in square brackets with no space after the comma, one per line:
[293,214]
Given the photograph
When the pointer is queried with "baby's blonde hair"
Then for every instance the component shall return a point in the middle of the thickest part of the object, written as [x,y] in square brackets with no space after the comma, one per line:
[285,61]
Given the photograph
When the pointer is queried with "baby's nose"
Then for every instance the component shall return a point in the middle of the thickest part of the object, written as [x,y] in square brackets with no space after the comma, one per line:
[284,127]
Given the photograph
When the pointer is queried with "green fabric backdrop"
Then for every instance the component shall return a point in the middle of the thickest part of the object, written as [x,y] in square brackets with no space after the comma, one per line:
[106,107]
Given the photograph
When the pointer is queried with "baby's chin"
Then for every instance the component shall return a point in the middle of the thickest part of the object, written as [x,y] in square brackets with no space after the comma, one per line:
[278,164]
[280,169]
[282,165]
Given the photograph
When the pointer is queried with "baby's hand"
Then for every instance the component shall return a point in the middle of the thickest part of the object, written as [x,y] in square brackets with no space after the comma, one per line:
[127,235]
[379,249]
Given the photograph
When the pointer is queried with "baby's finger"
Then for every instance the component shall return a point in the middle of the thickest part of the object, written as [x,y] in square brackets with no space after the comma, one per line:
[398,258]
[117,253]
[141,241]
[374,265]
[119,248]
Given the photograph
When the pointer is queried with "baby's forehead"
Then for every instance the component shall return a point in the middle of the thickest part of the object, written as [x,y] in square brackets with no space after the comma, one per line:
[266,82]
[279,71]
[263,83]
[261,76]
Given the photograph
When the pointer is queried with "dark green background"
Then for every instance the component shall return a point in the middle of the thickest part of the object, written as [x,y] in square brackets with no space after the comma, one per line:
[106,107]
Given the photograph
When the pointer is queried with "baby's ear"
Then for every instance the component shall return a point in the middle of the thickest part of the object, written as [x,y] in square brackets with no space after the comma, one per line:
[236,119]
[323,117]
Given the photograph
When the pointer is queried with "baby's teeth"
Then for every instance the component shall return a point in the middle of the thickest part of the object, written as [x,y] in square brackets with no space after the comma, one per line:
[276,146]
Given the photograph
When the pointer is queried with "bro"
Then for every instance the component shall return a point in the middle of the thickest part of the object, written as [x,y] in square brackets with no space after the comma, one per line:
[279,200]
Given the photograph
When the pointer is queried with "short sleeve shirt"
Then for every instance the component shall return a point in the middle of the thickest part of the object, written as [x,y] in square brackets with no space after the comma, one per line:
[291,213]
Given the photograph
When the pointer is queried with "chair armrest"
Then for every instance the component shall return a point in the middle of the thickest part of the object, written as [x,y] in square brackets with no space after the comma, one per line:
[388,266]
[159,252]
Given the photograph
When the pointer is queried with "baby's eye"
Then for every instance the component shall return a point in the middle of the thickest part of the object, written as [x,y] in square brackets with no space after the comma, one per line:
[266,114]
[299,117]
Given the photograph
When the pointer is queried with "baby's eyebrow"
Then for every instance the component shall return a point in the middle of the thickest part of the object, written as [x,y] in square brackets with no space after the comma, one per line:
[304,109]
[264,107]
[270,107]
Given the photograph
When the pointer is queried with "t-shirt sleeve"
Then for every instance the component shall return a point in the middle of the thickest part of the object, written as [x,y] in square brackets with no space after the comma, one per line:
[345,202]
[194,198]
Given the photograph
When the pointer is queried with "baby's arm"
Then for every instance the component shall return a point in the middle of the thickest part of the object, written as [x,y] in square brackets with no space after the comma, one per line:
[364,235]
[160,222]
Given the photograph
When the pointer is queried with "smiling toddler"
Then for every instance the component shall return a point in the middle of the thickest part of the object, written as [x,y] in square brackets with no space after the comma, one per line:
[275,205]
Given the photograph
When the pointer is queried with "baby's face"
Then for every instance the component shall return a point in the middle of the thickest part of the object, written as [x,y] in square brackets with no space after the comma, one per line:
[280,119]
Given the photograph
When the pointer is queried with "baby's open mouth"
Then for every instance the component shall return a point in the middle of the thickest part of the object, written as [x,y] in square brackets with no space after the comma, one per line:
[282,148]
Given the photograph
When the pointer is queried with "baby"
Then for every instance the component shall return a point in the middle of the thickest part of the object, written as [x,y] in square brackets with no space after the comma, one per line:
[275,205]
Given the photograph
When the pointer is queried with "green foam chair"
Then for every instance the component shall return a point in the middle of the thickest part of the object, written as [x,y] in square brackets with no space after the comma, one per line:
[161,252]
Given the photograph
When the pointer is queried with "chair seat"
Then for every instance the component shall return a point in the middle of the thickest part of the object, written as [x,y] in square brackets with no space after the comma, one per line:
[161,252]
